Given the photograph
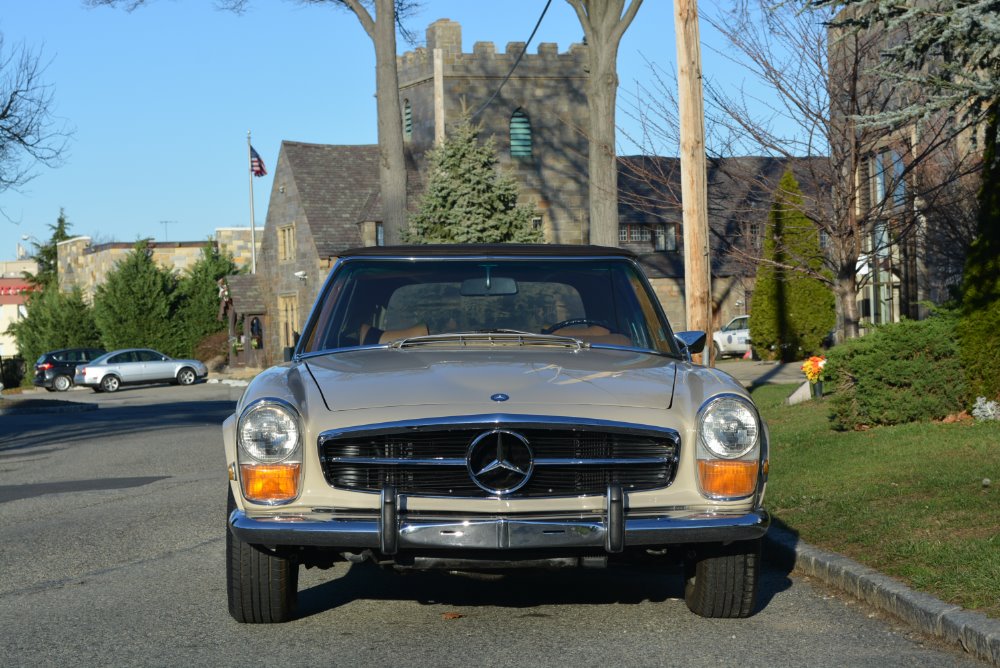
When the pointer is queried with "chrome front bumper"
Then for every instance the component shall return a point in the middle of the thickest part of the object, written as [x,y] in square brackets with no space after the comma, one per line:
[493,533]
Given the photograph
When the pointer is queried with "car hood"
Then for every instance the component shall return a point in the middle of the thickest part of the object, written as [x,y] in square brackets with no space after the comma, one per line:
[380,378]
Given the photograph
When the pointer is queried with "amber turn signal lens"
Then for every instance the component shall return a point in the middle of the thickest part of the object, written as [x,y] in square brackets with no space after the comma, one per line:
[270,483]
[727,477]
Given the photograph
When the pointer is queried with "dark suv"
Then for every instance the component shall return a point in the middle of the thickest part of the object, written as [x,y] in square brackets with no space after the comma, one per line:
[54,370]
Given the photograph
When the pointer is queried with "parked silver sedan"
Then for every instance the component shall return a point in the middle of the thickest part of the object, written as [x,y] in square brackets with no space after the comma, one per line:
[137,366]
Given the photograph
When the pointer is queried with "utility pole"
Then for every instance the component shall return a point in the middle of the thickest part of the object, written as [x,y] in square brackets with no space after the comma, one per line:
[694,177]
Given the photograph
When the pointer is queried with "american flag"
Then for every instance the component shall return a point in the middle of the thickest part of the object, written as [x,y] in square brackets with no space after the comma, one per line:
[256,163]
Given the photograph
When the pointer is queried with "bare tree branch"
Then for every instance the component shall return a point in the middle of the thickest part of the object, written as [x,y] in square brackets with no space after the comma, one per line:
[29,135]
[815,84]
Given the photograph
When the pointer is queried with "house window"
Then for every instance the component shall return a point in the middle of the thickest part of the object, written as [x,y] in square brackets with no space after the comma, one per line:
[520,135]
[665,237]
[754,234]
[879,183]
[288,314]
[286,243]
[407,122]
[536,223]
[898,183]
[888,169]
[379,235]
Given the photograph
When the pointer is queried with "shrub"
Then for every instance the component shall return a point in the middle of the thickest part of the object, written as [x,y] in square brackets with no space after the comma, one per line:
[980,344]
[902,372]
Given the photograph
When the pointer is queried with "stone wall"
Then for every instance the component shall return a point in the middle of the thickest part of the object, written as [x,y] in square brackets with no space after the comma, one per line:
[84,265]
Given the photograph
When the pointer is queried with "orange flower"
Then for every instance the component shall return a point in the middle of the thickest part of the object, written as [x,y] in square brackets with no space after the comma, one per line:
[813,368]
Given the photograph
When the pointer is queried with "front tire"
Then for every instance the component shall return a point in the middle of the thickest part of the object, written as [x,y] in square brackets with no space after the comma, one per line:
[718,351]
[110,384]
[721,580]
[186,376]
[262,587]
[61,383]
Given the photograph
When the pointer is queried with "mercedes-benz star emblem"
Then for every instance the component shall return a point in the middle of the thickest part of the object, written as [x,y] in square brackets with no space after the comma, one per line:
[500,461]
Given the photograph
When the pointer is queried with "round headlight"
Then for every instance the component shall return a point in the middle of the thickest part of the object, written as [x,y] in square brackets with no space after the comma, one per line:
[729,428]
[269,432]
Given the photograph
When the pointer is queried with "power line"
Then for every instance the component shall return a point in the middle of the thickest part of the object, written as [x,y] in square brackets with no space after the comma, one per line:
[516,62]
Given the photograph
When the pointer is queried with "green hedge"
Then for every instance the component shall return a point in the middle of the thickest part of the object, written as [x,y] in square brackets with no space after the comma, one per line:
[908,371]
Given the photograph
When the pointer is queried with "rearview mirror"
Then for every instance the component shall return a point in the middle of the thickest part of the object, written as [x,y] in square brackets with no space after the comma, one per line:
[490,286]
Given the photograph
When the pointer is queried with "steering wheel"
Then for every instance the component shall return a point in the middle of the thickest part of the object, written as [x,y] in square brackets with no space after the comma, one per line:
[572,322]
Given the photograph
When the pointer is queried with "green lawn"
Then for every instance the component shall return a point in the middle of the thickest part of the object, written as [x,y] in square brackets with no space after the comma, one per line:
[908,500]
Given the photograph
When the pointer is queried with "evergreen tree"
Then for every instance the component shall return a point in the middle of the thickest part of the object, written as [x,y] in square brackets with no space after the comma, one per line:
[467,199]
[47,254]
[54,320]
[791,312]
[949,50]
[137,305]
[199,294]
[980,323]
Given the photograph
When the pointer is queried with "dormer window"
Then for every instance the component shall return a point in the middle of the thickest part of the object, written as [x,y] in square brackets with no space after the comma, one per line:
[520,135]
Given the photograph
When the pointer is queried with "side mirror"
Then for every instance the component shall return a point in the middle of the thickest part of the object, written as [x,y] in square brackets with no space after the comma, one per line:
[692,342]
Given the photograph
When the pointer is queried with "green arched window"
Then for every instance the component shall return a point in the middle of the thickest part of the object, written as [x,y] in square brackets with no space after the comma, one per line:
[407,120]
[520,135]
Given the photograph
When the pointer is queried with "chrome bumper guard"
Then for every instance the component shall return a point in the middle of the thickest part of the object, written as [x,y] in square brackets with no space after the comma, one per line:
[390,532]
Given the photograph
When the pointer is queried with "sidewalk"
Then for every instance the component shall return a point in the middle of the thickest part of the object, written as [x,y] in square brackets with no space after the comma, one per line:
[753,373]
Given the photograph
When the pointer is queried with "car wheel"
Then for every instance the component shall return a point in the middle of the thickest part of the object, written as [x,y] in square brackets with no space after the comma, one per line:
[718,351]
[110,383]
[186,376]
[262,587]
[61,383]
[721,580]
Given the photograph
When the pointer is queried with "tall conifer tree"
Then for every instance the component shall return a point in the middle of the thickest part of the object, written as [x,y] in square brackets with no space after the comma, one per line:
[467,199]
[137,305]
[791,312]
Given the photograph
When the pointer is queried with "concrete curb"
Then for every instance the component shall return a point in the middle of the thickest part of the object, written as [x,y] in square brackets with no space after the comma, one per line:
[977,634]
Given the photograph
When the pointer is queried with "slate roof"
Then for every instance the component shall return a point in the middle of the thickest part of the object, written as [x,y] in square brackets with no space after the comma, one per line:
[338,186]
[739,190]
[334,184]
[245,292]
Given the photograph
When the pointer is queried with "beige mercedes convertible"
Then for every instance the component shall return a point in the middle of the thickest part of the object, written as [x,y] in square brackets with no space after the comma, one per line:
[493,407]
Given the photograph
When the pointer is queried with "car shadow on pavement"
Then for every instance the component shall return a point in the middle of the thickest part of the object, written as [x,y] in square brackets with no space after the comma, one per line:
[36,430]
[617,584]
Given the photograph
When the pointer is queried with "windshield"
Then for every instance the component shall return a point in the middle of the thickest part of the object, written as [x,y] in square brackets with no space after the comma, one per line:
[374,301]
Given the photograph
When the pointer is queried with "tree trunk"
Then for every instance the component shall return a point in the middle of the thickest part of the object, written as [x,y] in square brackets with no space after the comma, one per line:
[603,23]
[602,161]
[847,303]
[392,163]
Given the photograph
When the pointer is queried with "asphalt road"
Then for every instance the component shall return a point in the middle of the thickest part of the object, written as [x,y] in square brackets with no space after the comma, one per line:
[112,546]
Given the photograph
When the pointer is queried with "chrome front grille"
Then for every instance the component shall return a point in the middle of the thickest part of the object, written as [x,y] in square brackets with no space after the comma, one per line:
[567,457]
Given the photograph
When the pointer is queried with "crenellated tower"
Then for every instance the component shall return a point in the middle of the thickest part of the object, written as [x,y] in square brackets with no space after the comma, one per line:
[538,120]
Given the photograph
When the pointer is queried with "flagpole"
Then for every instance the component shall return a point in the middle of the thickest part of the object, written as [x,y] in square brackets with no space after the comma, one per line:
[253,229]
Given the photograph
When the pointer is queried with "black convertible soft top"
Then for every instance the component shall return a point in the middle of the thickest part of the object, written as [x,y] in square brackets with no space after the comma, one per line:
[506,250]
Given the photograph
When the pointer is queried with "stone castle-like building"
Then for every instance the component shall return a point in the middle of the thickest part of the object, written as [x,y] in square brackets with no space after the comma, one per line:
[325,198]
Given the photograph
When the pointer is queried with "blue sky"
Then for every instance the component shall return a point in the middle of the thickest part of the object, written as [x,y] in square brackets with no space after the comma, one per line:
[161,100]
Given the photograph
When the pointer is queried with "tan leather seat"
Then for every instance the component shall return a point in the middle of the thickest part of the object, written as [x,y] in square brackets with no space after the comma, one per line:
[388,335]
[595,334]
